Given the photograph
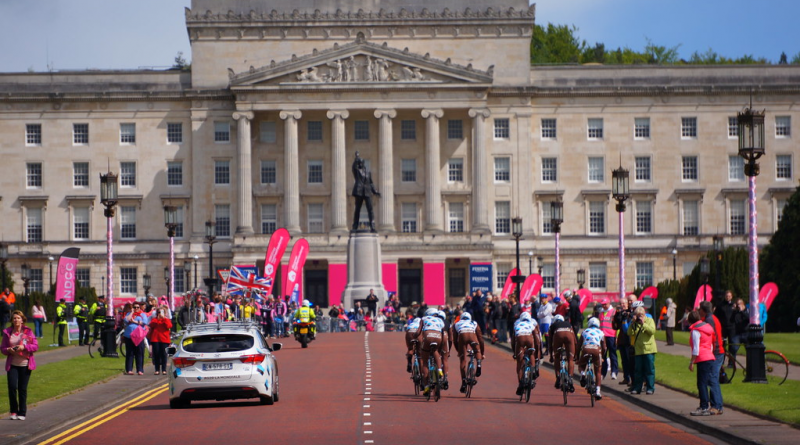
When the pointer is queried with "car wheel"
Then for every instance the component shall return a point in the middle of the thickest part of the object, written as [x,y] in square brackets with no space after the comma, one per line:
[267,400]
[276,390]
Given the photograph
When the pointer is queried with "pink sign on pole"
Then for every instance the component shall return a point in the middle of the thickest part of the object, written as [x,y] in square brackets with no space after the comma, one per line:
[509,286]
[296,262]
[275,249]
[703,294]
[433,283]
[585,297]
[65,276]
[389,276]
[530,287]
[650,292]
[768,293]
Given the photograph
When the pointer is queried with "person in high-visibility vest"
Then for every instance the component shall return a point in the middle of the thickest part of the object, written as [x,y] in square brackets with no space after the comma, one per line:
[305,314]
[607,326]
[81,312]
[98,313]
[61,320]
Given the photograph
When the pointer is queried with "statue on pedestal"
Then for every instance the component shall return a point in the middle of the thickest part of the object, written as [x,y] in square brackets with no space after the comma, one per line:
[363,189]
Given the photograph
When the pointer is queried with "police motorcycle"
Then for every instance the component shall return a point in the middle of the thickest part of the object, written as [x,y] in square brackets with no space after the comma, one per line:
[303,327]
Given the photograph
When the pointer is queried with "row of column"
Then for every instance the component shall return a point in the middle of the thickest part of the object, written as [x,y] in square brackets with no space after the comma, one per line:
[339,194]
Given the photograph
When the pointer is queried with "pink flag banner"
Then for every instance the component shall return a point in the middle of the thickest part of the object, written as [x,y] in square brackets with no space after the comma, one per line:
[703,294]
[768,293]
[650,292]
[586,297]
[530,287]
[65,275]
[509,286]
[275,250]
[296,262]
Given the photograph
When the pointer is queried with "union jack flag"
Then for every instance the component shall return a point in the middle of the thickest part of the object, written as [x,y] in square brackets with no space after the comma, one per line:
[244,278]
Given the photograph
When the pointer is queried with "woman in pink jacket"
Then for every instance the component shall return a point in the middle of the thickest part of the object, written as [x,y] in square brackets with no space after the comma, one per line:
[19,344]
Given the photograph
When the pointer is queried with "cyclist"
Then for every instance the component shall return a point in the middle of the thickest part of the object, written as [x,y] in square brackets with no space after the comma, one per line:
[305,314]
[444,348]
[430,329]
[562,335]
[526,335]
[411,334]
[465,332]
[592,344]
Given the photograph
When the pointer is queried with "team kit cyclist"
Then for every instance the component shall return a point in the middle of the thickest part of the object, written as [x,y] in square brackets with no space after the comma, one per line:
[526,335]
[434,339]
[466,333]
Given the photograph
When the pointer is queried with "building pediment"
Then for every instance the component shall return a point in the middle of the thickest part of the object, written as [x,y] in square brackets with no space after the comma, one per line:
[359,63]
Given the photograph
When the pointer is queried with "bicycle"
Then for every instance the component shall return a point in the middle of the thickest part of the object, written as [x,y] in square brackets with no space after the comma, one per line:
[591,381]
[470,374]
[97,345]
[777,366]
[563,375]
[529,375]
[416,374]
[433,376]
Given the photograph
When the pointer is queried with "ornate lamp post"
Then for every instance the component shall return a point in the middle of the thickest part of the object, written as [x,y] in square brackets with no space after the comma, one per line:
[168,279]
[171,223]
[147,283]
[187,268]
[211,236]
[195,271]
[539,263]
[530,262]
[50,260]
[719,247]
[26,278]
[556,218]
[705,271]
[581,278]
[674,264]
[3,261]
[109,188]
[620,186]
[751,148]
[516,231]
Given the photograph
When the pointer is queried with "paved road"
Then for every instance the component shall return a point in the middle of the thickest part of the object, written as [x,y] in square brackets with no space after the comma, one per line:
[353,388]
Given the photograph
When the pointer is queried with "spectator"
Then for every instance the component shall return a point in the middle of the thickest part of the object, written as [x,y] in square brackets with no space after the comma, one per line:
[504,308]
[684,321]
[621,324]
[18,344]
[545,317]
[724,313]
[380,322]
[707,314]
[703,356]
[160,327]
[607,326]
[575,315]
[669,321]
[61,320]
[334,314]
[7,301]
[741,318]
[135,352]
[39,317]
[642,334]
[372,303]
[561,308]
[478,302]
[279,315]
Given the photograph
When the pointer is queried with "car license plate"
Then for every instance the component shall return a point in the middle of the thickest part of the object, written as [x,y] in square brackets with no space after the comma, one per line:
[217,366]
[304,330]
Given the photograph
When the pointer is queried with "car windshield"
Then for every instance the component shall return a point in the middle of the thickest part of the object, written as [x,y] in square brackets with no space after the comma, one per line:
[218,343]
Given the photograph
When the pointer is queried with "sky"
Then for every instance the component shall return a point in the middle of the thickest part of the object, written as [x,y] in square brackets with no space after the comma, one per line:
[114,34]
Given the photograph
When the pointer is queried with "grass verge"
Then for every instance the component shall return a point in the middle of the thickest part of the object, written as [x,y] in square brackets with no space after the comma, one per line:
[786,343]
[778,402]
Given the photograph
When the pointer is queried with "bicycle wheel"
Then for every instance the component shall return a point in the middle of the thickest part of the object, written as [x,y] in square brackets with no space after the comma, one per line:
[590,385]
[470,378]
[729,366]
[416,376]
[527,381]
[92,348]
[564,385]
[777,366]
[437,391]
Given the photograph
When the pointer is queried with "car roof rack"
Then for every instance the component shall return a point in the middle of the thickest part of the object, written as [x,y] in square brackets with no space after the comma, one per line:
[238,324]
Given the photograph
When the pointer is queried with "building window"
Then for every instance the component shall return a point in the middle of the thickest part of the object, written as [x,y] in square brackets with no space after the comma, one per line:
[80,174]
[691,218]
[549,129]
[502,217]
[222,172]
[222,214]
[269,172]
[781,205]
[733,127]
[34,225]
[408,171]
[409,217]
[502,169]
[175,173]
[456,217]
[735,168]
[549,169]
[127,222]
[688,127]
[597,275]
[267,132]
[180,280]
[80,134]
[597,217]
[643,170]
[455,129]
[783,167]
[547,218]
[269,218]
[82,277]
[36,282]
[314,131]
[595,127]
[316,218]
[455,170]
[408,130]
[737,222]
[127,133]
[641,128]
[127,280]
[315,172]
[548,276]
[783,126]
[689,168]
[596,169]
[457,280]
[361,130]
[33,175]
[502,129]
[644,217]
[503,270]
[33,134]
[80,223]
[179,220]
[644,274]
[127,174]
[222,132]
[174,133]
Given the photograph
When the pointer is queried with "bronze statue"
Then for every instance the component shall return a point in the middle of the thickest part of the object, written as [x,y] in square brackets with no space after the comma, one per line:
[363,189]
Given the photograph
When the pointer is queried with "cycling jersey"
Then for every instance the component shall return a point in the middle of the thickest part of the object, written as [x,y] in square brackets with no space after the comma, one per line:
[465,326]
[592,337]
[524,327]
[432,324]
[413,324]
[560,326]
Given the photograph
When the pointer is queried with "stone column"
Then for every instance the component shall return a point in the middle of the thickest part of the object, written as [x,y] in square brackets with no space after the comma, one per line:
[385,170]
[433,188]
[339,172]
[480,169]
[244,171]
[291,171]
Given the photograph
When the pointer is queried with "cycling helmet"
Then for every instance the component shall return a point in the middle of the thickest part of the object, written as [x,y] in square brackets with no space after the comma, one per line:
[636,304]
[466,316]
[524,316]
[441,315]
[431,312]
[306,303]
[567,293]
[558,318]
[594,322]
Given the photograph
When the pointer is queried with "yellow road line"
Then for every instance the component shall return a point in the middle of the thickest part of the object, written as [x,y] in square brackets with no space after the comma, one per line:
[96,421]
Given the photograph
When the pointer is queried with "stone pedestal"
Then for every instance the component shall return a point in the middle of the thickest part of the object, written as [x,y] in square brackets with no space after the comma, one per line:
[363,269]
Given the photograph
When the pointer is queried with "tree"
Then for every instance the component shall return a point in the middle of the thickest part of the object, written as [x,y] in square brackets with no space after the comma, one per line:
[555,44]
[780,263]
[660,55]
[180,62]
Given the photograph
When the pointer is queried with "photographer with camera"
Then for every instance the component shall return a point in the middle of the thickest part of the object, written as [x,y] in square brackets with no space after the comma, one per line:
[160,327]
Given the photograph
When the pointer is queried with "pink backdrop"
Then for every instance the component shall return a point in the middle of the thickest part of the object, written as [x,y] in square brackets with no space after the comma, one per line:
[433,283]
[337,281]
[389,272]
[284,273]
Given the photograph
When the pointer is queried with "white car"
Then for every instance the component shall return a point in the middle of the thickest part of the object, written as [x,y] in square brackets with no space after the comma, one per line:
[222,361]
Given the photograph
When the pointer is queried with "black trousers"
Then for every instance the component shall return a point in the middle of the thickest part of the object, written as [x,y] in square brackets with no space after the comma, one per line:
[368,201]
[98,328]
[18,377]
[83,332]
[159,355]
[61,328]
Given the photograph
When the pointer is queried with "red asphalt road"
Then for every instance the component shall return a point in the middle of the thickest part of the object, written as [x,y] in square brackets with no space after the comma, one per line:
[353,389]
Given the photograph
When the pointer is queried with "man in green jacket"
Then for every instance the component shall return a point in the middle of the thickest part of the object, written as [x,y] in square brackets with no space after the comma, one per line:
[81,312]
[642,332]
[61,320]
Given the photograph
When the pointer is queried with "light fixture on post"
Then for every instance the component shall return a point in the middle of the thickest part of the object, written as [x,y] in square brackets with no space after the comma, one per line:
[50,260]
[705,271]
[516,232]
[196,257]
[674,264]
[3,261]
[171,223]
[750,125]
[530,262]
[556,218]
[539,264]
[719,247]
[620,190]
[109,188]
[581,278]
[26,278]
[211,236]
[167,276]
[147,283]
[187,267]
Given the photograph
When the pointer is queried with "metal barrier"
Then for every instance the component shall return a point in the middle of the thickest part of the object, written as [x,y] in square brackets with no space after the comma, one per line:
[327,324]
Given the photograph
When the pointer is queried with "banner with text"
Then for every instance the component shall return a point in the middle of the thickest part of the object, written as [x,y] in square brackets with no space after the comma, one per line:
[275,250]
[480,277]
[65,275]
[296,262]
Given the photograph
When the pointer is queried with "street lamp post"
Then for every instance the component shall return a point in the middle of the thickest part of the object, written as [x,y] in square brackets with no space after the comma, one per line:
[147,283]
[516,231]
[556,218]
[3,261]
[581,278]
[211,236]
[751,147]
[705,271]
[26,278]
[50,260]
[539,264]
[195,271]
[530,262]
[621,192]
[171,223]
[109,188]
[187,268]
[168,279]
[674,264]
[719,247]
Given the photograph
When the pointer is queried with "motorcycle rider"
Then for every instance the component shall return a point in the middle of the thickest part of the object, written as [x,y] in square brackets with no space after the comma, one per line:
[306,315]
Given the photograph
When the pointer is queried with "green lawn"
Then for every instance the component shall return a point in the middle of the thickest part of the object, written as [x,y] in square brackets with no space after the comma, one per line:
[779,402]
[787,344]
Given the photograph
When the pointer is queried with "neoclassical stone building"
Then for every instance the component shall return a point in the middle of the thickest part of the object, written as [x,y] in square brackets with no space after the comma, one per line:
[460,132]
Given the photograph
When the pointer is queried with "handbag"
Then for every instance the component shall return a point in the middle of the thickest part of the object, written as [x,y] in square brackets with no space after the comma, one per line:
[138,335]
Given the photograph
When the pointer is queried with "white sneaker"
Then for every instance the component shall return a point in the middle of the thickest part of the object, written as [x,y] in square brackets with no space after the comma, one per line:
[20,417]
[613,376]
[13,416]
